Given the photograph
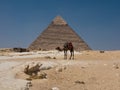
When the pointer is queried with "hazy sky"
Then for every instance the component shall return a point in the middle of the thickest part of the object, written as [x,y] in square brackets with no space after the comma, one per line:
[96,21]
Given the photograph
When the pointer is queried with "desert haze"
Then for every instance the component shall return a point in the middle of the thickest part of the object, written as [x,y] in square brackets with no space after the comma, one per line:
[90,70]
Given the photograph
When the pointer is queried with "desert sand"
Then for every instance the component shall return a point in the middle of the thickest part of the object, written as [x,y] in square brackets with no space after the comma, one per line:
[90,70]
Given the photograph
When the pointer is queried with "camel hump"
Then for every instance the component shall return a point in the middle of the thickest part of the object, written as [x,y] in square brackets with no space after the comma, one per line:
[70,44]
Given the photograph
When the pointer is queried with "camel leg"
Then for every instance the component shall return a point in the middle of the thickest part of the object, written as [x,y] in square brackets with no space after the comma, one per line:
[65,54]
[70,55]
[73,55]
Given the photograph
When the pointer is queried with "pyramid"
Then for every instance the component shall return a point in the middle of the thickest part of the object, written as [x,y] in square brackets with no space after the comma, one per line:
[56,34]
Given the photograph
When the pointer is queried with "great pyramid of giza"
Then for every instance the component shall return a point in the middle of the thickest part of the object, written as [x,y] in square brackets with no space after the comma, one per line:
[56,34]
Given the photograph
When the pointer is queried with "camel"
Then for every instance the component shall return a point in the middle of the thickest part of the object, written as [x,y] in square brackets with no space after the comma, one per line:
[68,46]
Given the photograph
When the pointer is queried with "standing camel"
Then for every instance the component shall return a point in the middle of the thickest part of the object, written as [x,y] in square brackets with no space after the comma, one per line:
[68,46]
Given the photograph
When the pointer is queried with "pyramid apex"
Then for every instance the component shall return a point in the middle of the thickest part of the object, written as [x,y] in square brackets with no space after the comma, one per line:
[58,20]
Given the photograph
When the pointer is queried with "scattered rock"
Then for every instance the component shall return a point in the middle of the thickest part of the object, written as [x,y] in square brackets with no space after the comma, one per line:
[105,64]
[33,70]
[54,57]
[55,88]
[45,68]
[29,84]
[47,57]
[41,76]
[29,79]
[83,67]
[79,82]
[102,51]
[65,68]
[26,88]
[60,69]
[116,66]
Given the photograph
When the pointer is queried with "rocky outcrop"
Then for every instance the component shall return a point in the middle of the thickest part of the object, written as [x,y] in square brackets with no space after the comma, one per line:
[33,70]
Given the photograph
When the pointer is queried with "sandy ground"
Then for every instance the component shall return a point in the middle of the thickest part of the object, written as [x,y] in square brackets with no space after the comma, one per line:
[90,70]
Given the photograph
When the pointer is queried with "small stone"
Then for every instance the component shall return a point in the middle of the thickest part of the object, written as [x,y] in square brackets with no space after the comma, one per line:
[105,64]
[79,82]
[60,69]
[45,68]
[116,66]
[43,76]
[47,57]
[29,84]
[83,67]
[64,67]
[102,51]
[55,88]
[54,57]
